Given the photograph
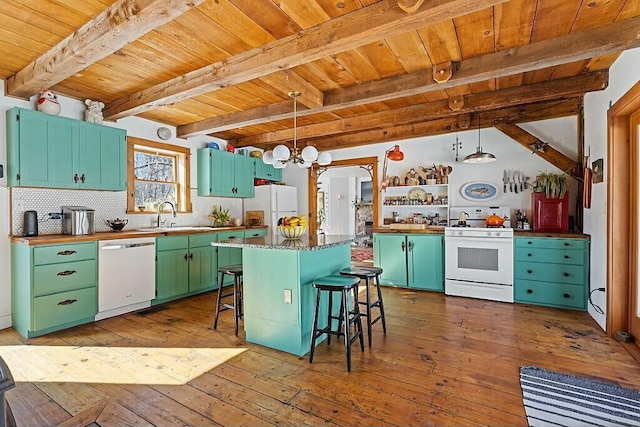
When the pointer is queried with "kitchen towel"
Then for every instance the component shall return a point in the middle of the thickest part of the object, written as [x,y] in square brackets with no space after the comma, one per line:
[554,399]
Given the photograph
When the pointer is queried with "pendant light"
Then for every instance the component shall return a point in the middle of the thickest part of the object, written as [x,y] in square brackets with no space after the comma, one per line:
[479,156]
[281,155]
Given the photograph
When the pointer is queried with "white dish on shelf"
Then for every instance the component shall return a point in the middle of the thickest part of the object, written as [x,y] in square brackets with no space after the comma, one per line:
[417,194]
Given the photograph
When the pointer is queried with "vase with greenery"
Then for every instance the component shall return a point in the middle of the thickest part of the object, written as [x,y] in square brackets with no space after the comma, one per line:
[554,185]
[219,217]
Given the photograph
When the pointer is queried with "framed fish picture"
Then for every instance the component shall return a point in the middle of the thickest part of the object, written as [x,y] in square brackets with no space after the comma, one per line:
[479,191]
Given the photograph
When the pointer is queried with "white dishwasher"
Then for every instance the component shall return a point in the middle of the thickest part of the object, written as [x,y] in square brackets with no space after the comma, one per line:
[126,275]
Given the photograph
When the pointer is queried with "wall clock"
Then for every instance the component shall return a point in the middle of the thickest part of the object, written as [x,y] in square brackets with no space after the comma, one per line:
[164,133]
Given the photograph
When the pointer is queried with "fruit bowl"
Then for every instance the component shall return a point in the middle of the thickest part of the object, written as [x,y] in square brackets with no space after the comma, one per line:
[291,231]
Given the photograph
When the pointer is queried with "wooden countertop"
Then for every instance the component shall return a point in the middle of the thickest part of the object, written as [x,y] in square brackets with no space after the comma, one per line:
[516,233]
[429,230]
[47,239]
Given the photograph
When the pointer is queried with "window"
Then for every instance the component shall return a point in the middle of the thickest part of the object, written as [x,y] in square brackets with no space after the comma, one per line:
[157,172]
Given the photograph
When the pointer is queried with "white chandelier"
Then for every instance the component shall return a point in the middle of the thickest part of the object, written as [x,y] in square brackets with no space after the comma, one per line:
[281,155]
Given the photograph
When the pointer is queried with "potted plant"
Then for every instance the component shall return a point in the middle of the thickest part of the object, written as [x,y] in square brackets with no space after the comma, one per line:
[554,185]
[219,217]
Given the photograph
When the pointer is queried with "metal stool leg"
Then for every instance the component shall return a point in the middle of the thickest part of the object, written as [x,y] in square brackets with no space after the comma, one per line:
[236,303]
[218,299]
[358,318]
[380,304]
[347,330]
[368,311]
[314,334]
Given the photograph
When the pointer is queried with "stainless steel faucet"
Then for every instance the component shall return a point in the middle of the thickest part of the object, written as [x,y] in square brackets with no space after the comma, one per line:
[173,209]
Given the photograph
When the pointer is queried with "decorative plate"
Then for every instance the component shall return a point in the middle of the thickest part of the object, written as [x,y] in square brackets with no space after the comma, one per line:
[479,191]
[417,194]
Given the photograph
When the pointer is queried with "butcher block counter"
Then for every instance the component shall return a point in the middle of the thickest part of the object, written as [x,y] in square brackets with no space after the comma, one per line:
[47,239]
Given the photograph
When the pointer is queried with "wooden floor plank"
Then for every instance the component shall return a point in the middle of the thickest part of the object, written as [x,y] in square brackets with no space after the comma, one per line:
[444,360]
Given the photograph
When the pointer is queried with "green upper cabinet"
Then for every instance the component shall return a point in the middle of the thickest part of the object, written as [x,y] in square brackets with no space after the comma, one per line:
[264,171]
[224,174]
[58,152]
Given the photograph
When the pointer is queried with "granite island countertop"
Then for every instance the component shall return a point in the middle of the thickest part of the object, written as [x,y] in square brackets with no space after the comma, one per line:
[304,243]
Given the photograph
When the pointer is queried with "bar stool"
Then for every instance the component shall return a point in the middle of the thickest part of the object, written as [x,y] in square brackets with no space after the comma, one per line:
[234,270]
[367,273]
[344,285]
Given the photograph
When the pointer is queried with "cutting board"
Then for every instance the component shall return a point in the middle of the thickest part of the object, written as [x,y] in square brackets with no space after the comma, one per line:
[400,226]
[254,218]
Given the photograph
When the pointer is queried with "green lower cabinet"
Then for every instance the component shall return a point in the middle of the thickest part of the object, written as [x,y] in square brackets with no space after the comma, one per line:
[229,256]
[185,265]
[411,260]
[53,287]
[551,272]
[255,232]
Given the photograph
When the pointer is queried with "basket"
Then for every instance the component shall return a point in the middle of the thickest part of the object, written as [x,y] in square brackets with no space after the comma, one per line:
[292,231]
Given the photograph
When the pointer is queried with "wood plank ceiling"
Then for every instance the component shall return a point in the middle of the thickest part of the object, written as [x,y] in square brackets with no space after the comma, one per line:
[368,70]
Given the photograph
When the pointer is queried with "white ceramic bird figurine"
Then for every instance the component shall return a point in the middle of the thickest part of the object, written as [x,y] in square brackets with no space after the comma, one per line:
[48,103]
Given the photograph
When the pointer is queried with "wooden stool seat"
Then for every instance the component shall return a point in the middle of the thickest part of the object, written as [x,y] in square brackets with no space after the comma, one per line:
[344,285]
[234,270]
[366,274]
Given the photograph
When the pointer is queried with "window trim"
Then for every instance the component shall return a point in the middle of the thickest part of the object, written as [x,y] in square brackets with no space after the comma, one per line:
[185,155]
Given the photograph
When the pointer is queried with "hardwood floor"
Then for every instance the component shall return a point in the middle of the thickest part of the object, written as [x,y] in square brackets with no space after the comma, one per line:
[444,361]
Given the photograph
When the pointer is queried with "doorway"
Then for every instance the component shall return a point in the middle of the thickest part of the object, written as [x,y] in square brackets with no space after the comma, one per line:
[316,171]
[623,217]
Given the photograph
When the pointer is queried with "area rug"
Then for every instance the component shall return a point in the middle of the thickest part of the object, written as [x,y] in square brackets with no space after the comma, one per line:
[361,254]
[553,399]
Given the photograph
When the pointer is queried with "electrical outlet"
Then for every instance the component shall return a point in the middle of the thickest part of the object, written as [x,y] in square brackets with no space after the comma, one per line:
[287,296]
[19,203]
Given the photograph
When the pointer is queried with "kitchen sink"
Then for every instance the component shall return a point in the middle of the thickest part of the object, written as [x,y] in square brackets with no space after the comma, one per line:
[169,229]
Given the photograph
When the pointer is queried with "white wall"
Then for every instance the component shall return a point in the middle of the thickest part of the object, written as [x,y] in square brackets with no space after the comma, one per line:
[622,76]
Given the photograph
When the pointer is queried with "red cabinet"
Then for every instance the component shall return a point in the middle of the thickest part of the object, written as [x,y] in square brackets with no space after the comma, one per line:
[550,213]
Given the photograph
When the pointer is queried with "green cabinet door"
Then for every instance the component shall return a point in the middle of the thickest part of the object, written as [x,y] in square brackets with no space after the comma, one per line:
[243,176]
[264,171]
[39,149]
[172,273]
[425,262]
[202,273]
[102,158]
[390,253]
[229,256]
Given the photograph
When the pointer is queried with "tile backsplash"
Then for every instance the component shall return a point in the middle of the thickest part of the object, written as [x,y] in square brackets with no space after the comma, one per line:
[108,205]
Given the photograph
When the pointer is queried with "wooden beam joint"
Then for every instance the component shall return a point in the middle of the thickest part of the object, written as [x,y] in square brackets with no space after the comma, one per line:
[442,72]
[456,102]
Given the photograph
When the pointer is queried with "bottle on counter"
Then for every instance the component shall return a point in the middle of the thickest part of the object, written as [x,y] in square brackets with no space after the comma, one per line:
[525,222]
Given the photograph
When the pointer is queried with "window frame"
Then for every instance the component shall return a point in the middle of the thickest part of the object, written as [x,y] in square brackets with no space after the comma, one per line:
[182,156]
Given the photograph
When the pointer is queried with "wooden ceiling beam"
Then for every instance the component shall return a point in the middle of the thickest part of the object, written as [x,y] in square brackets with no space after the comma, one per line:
[571,47]
[519,114]
[550,154]
[366,25]
[288,81]
[568,87]
[115,27]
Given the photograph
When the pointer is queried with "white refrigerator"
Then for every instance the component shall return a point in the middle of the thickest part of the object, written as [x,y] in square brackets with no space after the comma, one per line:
[276,201]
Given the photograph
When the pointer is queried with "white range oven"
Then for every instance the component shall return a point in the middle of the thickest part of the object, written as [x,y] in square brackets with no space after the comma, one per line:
[479,260]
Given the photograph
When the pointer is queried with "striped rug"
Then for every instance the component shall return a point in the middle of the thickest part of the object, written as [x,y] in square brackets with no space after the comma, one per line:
[553,399]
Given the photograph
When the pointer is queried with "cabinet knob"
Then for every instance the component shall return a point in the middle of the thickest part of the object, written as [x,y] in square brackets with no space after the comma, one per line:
[566,257]
[186,257]
[566,243]
[82,178]
[529,271]
[66,273]
[529,291]
[529,242]
[67,302]
[566,295]
[402,245]
[76,178]
[190,256]
[566,274]
[529,254]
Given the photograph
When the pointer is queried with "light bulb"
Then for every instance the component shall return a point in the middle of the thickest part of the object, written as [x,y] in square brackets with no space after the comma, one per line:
[267,157]
[309,153]
[324,158]
[279,164]
[281,152]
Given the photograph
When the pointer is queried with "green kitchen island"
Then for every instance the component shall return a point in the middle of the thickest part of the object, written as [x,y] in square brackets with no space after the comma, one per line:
[277,292]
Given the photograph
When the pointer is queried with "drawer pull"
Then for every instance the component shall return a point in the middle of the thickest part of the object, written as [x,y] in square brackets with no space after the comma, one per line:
[529,291]
[529,242]
[566,243]
[65,253]
[529,271]
[67,302]
[566,257]
[566,275]
[566,295]
[529,254]
[67,273]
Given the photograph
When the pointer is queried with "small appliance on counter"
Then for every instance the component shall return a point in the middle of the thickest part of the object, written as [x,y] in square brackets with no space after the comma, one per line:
[77,220]
[30,225]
